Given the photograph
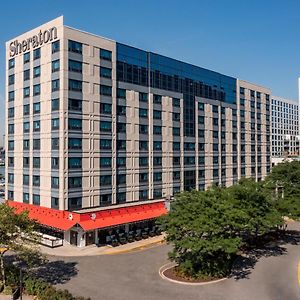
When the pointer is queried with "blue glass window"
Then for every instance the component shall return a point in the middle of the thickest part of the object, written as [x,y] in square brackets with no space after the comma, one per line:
[26,92]
[36,126]
[11,63]
[36,199]
[11,79]
[121,93]
[26,127]
[105,180]
[157,145]
[105,144]
[105,108]
[36,72]
[37,89]
[75,47]
[143,161]
[26,57]
[26,198]
[75,143]
[37,53]
[105,90]
[105,162]
[105,54]
[55,65]
[55,104]
[143,113]
[105,72]
[74,182]
[55,46]
[55,124]
[11,96]
[75,66]
[55,182]
[75,85]
[105,126]
[55,85]
[75,124]
[75,162]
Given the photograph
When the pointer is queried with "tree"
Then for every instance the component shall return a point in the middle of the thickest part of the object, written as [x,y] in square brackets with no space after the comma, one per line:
[17,233]
[283,187]
[201,227]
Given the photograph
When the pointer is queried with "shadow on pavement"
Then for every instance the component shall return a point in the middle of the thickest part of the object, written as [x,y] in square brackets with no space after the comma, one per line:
[244,265]
[56,272]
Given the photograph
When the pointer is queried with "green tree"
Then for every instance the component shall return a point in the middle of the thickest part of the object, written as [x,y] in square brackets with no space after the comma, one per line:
[201,226]
[283,187]
[17,234]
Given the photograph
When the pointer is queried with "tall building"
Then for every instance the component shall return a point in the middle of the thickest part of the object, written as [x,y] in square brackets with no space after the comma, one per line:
[100,133]
[285,129]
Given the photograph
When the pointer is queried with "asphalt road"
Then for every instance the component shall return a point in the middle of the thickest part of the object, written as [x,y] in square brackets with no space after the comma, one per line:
[271,274]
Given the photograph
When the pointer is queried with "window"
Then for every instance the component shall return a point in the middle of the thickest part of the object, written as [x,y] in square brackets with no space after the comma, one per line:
[11,79]
[121,110]
[75,124]
[201,106]
[188,146]
[157,114]
[176,116]
[201,146]
[176,160]
[143,145]
[11,96]
[10,195]
[36,199]
[37,53]
[55,182]
[74,143]
[36,108]
[74,203]
[157,145]
[25,179]
[105,199]
[36,72]
[176,131]
[36,180]
[11,128]
[55,124]
[143,177]
[121,127]
[36,126]
[26,75]
[157,161]
[143,161]
[143,113]
[75,66]
[105,180]
[74,182]
[11,63]
[176,102]
[26,57]
[176,146]
[157,99]
[26,92]
[36,144]
[201,133]
[121,179]
[36,89]
[121,145]
[10,161]
[75,85]
[105,72]
[75,104]
[26,198]
[25,145]
[55,47]
[105,144]
[201,119]
[121,197]
[26,127]
[215,121]
[176,175]
[75,47]
[105,108]
[121,161]
[10,178]
[11,112]
[215,109]
[143,194]
[54,202]
[55,85]
[121,93]
[143,97]
[105,54]
[105,126]
[75,162]
[201,160]
[55,163]
[143,129]
[105,90]
[36,162]
[55,143]
[189,160]
[55,65]
[105,162]
[157,176]
[157,130]
[55,104]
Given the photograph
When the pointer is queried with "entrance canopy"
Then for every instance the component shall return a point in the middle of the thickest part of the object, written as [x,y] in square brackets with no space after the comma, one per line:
[64,220]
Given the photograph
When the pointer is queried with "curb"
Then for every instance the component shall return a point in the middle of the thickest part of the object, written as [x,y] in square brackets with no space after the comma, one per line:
[141,247]
[168,266]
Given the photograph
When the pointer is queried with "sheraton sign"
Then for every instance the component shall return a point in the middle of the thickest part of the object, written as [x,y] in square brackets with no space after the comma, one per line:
[35,41]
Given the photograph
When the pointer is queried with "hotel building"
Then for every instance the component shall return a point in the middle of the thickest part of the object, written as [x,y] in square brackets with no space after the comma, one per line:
[100,134]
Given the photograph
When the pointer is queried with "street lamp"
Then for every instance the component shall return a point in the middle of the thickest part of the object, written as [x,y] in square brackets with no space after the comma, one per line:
[19,265]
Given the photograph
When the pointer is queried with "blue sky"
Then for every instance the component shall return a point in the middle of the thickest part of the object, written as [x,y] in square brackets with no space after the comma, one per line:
[256,40]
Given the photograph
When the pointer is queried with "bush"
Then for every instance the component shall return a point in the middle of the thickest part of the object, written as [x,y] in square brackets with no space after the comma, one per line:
[37,287]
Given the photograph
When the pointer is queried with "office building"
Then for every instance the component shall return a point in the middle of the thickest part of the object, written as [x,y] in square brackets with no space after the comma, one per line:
[100,134]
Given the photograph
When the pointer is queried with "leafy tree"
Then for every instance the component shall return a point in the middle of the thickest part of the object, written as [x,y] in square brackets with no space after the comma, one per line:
[17,233]
[283,186]
[207,229]
[201,226]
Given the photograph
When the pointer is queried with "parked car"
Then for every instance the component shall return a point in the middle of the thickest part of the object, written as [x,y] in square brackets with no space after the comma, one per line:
[130,236]
[138,235]
[122,238]
[145,233]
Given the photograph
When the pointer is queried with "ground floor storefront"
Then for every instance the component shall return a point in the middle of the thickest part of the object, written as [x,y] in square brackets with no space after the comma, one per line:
[106,226]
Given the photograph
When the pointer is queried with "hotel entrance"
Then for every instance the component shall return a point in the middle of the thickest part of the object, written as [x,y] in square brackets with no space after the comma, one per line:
[73,237]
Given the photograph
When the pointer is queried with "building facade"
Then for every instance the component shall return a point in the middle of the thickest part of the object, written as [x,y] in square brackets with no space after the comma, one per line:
[96,127]
[285,128]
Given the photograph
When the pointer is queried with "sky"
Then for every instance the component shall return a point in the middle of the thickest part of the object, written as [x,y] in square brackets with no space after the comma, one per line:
[257,40]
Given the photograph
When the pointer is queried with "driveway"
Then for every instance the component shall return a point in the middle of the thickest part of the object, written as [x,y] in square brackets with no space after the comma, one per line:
[270,274]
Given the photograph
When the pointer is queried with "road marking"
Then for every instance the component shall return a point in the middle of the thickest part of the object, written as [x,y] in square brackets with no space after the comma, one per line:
[299,273]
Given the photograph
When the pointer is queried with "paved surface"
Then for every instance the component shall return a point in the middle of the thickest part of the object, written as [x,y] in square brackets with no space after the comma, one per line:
[272,275]
[69,250]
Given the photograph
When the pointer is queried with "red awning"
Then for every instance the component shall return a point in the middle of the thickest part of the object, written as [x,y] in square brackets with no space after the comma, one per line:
[65,220]
[46,216]
[124,215]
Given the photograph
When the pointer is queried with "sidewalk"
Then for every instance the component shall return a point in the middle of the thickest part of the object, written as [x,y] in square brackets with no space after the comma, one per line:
[68,250]
[9,297]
